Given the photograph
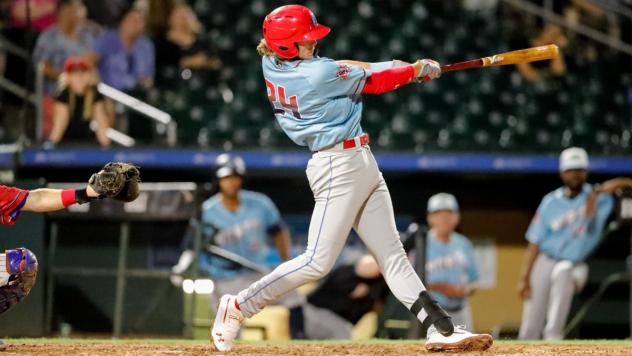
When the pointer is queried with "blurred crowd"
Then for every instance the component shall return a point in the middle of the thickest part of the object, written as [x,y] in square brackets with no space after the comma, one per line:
[124,43]
[82,43]
[578,51]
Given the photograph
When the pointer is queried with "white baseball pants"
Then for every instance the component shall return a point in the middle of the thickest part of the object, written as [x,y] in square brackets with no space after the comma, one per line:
[553,285]
[349,192]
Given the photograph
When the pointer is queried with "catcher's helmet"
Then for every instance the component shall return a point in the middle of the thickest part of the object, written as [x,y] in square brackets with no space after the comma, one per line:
[287,25]
[228,165]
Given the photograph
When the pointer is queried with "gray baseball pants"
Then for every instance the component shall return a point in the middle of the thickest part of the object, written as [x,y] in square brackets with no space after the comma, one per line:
[243,280]
[553,284]
[349,192]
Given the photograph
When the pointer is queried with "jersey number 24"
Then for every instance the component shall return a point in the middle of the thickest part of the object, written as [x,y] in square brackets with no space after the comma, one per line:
[280,102]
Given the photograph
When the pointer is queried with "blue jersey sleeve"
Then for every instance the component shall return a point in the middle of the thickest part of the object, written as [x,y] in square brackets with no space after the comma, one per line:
[538,228]
[271,215]
[333,80]
[472,270]
[209,229]
[379,66]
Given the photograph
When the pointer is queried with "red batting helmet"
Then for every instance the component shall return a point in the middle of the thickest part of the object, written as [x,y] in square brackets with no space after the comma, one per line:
[287,25]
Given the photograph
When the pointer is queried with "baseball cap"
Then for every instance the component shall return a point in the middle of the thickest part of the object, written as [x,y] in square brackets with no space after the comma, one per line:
[75,63]
[573,158]
[229,165]
[442,201]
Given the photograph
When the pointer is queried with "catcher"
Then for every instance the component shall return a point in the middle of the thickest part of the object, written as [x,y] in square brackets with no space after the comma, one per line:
[18,267]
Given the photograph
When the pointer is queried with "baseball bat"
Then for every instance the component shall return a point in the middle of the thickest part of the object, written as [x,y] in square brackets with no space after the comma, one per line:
[518,56]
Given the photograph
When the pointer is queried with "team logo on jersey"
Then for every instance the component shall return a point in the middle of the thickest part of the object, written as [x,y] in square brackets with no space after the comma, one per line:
[343,72]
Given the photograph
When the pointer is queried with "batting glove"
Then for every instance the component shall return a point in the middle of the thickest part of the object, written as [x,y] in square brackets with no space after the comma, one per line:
[429,70]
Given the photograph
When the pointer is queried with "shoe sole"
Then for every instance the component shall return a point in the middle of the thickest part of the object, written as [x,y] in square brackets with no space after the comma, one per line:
[210,334]
[473,343]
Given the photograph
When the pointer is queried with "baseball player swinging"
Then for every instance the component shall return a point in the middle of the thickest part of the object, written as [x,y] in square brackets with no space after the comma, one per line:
[18,267]
[317,102]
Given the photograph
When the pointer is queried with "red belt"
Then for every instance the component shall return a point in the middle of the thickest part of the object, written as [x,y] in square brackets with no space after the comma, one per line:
[351,143]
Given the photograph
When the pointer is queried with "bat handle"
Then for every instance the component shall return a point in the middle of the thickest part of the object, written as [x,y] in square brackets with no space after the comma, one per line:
[462,65]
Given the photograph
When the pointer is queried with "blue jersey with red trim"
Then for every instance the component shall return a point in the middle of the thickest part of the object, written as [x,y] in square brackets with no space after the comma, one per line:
[561,228]
[317,101]
[11,202]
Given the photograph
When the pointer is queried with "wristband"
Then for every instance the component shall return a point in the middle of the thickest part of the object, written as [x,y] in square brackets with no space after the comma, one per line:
[68,197]
[72,196]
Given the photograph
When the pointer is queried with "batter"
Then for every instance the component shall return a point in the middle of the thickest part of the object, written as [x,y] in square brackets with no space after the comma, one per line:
[317,102]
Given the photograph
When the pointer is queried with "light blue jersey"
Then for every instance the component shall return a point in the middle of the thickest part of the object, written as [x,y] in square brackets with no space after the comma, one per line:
[317,101]
[452,263]
[561,229]
[243,232]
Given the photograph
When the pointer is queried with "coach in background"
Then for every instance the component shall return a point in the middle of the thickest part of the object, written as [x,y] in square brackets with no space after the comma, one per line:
[451,272]
[566,228]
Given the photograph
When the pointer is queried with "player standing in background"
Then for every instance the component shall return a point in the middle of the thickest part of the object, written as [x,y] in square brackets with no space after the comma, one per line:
[18,267]
[566,228]
[317,102]
[451,271]
[242,222]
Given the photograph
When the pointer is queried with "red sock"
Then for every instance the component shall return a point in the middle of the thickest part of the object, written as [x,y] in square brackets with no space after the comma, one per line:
[237,305]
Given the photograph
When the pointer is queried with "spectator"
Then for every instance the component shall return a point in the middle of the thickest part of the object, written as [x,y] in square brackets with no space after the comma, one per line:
[551,34]
[66,38]
[41,12]
[181,45]
[158,16]
[125,56]
[565,229]
[451,271]
[78,104]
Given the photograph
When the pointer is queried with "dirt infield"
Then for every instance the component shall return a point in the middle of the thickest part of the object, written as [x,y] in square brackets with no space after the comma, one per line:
[114,348]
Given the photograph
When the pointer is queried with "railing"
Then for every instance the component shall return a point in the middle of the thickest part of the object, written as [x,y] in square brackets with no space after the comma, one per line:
[165,122]
[579,28]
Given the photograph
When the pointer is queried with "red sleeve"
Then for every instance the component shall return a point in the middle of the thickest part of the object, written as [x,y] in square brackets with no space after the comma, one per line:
[388,79]
[11,202]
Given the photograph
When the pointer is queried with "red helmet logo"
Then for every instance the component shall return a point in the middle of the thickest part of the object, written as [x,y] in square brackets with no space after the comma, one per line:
[287,25]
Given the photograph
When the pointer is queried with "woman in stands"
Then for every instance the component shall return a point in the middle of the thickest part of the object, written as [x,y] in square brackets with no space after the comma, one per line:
[80,113]
[181,45]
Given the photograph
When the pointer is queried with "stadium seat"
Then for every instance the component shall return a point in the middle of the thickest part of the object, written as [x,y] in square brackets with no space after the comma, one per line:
[483,110]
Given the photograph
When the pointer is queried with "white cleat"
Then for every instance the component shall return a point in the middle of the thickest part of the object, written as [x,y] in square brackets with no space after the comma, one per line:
[460,340]
[227,323]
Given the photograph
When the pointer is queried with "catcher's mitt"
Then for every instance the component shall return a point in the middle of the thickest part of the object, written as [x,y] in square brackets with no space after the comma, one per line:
[117,180]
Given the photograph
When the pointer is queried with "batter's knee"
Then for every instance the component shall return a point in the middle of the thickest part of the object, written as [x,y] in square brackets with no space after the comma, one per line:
[317,270]
[22,266]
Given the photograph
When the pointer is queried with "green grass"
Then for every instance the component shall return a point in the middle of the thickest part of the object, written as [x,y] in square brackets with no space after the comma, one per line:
[66,341]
